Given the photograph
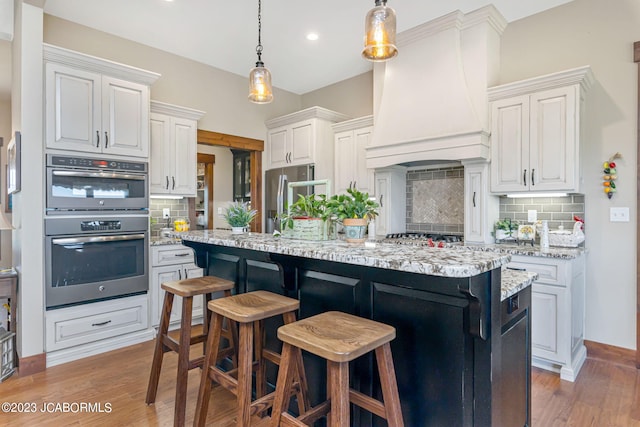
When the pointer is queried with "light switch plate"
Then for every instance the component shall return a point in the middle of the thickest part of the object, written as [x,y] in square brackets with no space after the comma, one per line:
[619,214]
[532,215]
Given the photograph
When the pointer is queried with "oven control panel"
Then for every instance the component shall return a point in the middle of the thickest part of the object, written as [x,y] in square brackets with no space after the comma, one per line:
[90,163]
[101,225]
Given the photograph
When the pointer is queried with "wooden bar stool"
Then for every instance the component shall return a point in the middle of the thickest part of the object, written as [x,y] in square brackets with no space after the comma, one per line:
[339,338]
[187,289]
[249,311]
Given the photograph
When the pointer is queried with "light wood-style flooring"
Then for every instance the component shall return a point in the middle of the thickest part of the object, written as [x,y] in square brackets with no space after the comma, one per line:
[606,393]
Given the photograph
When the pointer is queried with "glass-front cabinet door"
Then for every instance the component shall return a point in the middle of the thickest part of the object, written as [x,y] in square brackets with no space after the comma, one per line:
[241,176]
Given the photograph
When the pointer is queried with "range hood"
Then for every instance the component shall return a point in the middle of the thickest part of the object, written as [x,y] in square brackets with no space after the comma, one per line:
[430,102]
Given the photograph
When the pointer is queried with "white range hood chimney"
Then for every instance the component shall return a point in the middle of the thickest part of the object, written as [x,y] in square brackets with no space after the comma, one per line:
[430,102]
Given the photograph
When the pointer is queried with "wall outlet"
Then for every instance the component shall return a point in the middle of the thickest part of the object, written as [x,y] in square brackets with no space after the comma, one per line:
[619,214]
[166,213]
[532,215]
[220,212]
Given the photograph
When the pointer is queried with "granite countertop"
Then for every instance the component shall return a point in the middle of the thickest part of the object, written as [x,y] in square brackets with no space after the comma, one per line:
[161,241]
[528,250]
[513,281]
[505,248]
[446,262]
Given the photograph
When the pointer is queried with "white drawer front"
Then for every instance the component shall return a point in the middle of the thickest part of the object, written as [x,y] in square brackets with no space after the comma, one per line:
[171,254]
[73,326]
[550,272]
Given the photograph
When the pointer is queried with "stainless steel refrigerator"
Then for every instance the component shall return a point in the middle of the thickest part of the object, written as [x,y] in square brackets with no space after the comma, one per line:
[275,185]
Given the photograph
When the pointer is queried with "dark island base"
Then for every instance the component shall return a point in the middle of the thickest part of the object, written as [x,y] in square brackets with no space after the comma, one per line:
[462,356]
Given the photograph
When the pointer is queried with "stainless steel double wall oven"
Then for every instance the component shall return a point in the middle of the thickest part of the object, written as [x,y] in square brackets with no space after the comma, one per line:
[96,228]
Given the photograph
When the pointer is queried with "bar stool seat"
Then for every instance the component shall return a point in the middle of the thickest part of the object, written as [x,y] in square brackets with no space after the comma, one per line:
[339,338]
[248,310]
[187,289]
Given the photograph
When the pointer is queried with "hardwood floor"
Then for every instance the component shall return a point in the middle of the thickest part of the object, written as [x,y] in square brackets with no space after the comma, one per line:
[605,394]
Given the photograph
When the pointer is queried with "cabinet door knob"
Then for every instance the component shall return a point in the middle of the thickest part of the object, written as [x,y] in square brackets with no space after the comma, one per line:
[186,274]
[380,200]
[97,139]
[524,177]
[167,178]
[173,182]
[474,199]
[533,177]
[179,274]
[106,139]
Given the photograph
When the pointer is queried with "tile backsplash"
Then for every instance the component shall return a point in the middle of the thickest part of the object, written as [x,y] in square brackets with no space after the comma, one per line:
[557,210]
[179,209]
[435,203]
[435,200]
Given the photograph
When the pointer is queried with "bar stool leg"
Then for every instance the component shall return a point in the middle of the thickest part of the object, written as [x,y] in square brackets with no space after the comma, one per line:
[245,362]
[213,343]
[159,351]
[283,384]
[339,379]
[258,335]
[302,395]
[389,386]
[183,362]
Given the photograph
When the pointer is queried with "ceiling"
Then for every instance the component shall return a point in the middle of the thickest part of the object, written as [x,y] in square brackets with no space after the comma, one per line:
[224,34]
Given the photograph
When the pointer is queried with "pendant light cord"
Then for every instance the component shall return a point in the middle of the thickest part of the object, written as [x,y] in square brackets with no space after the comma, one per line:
[259,46]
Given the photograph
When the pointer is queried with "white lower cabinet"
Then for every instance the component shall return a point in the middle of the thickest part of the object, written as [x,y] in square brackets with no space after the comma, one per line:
[169,263]
[75,332]
[557,309]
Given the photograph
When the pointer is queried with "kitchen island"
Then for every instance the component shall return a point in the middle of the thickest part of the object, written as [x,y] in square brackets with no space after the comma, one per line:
[462,352]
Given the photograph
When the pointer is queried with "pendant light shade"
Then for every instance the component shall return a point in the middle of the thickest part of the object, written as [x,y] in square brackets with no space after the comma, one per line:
[260,90]
[380,33]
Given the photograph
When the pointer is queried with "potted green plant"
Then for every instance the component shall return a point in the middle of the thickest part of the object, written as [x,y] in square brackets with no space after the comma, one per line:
[354,210]
[504,229]
[238,215]
[308,218]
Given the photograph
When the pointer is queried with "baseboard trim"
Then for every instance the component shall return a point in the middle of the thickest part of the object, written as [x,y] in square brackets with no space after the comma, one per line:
[32,364]
[611,354]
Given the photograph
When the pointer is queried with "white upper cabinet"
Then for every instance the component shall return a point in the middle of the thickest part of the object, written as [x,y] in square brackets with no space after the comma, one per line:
[95,106]
[535,133]
[351,139]
[174,147]
[480,207]
[301,138]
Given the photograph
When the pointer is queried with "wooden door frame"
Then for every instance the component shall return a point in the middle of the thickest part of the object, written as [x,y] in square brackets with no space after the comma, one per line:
[256,147]
[636,59]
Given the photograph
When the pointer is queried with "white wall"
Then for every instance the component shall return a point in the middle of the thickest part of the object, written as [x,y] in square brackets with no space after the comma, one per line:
[353,97]
[601,34]
[221,95]
[222,180]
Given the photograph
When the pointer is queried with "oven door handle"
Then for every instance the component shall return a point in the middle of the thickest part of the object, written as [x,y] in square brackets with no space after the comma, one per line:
[99,175]
[95,239]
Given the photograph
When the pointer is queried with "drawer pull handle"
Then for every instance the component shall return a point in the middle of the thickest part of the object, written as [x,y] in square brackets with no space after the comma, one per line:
[101,323]
[181,254]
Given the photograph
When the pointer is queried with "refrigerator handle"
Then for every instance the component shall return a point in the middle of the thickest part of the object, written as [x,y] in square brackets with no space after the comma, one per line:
[280,197]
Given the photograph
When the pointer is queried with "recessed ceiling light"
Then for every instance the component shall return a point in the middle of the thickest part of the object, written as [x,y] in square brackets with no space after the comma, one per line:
[312,36]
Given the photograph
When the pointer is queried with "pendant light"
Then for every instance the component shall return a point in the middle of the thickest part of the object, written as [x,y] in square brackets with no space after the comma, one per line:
[380,33]
[260,90]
